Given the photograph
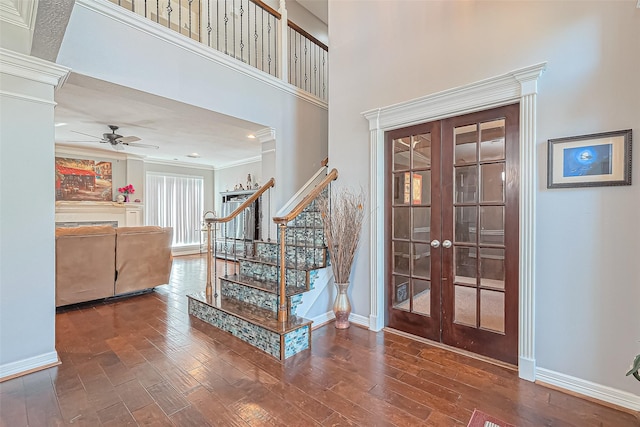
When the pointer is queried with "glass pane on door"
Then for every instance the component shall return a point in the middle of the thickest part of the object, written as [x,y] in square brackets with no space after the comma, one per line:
[492,140]
[421,151]
[422,297]
[401,154]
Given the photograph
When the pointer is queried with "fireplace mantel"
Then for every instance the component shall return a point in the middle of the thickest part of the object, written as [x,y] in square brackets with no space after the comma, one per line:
[126,214]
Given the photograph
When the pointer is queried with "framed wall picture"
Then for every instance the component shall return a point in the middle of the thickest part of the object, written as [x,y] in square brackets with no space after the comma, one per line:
[83,180]
[600,159]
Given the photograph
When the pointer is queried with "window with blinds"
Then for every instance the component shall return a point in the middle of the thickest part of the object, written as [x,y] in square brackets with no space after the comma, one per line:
[176,201]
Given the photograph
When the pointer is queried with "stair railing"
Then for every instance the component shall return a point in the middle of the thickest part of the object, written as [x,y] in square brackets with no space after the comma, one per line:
[229,246]
[282,222]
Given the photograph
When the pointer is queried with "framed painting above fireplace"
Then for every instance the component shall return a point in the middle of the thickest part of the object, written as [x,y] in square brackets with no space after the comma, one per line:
[83,180]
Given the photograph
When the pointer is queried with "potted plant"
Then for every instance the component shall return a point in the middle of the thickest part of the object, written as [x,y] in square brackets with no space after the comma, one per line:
[342,215]
[635,367]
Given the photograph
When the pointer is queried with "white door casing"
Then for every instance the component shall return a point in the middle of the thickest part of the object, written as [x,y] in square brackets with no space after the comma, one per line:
[516,86]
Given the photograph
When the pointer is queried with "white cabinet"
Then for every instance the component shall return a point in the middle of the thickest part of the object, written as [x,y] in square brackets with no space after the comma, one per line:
[133,215]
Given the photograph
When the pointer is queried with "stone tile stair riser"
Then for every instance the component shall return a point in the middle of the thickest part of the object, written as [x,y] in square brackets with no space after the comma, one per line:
[296,341]
[307,219]
[258,297]
[258,337]
[309,256]
[267,272]
[302,236]
[249,295]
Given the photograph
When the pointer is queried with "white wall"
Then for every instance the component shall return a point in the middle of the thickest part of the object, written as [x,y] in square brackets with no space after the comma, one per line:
[587,284]
[179,68]
[27,285]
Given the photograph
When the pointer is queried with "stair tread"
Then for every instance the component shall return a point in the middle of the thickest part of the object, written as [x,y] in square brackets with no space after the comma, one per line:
[265,285]
[291,266]
[252,314]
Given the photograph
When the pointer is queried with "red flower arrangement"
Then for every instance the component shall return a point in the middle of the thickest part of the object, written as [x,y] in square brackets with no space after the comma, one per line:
[128,189]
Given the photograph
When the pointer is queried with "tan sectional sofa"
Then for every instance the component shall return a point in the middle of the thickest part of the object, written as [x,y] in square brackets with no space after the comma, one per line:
[98,262]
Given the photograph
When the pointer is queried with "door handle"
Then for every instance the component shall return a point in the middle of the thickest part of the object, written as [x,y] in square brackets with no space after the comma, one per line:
[446,244]
[435,243]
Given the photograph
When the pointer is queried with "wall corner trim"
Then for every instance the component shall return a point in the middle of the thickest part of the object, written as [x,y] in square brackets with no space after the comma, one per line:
[516,86]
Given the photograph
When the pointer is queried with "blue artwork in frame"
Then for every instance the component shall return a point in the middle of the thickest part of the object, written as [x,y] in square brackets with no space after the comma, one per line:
[599,159]
[587,160]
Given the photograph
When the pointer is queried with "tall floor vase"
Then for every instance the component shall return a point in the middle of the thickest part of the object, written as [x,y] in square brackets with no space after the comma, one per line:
[342,306]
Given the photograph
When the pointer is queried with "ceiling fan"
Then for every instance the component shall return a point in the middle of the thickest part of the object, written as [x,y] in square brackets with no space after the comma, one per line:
[117,141]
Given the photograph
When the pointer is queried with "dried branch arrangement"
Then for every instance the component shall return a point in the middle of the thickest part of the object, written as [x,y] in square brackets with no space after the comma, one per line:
[342,216]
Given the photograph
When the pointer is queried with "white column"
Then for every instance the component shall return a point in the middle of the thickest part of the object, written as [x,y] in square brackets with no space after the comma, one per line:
[528,170]
[27,206]
[376,223]
[283,47]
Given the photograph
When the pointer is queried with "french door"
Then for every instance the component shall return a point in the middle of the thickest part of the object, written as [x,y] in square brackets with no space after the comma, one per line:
[452,205]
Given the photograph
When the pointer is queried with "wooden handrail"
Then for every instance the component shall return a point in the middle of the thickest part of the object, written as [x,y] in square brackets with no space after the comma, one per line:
[245,204]
[267,8]
[308,36]
[331,176]
[325,162]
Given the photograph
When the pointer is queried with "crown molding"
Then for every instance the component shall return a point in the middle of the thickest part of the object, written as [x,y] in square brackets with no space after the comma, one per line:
[154,29]
[32,68]
[484,94]
[239,163]
[21,13]
[95,152]
[177,163]
[266,134]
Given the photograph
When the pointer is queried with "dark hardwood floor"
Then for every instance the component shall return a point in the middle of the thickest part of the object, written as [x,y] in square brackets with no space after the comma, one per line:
[144,361]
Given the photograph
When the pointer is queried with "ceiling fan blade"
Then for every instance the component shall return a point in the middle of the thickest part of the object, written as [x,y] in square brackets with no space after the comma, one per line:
[127,139]
[133,144]
[86,134]
[68,140]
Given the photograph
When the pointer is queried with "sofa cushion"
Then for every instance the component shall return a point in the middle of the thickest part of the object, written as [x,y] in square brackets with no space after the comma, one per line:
[85,264]
[143,257]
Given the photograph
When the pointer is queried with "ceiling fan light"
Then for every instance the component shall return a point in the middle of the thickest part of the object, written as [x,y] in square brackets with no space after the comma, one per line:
[194,155]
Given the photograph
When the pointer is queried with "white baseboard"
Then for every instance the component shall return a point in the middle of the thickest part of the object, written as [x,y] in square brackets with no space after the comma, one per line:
[590,389]
[322,319]
[327,317]
[359,320]
[26,365]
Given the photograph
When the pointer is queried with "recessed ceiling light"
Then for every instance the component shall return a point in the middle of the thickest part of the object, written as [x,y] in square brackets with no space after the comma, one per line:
[193,155]
[60,124]
[252,136]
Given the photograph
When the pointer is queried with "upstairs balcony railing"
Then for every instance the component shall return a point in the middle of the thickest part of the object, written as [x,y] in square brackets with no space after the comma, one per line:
[249,31]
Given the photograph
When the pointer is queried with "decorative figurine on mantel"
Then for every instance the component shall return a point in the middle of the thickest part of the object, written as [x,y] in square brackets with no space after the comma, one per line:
[249,185]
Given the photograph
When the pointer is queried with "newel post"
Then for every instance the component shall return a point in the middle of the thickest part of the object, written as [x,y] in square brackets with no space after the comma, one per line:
[282,311]
[284,43]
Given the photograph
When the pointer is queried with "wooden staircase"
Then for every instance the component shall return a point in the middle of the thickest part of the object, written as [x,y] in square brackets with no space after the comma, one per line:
[257,302]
